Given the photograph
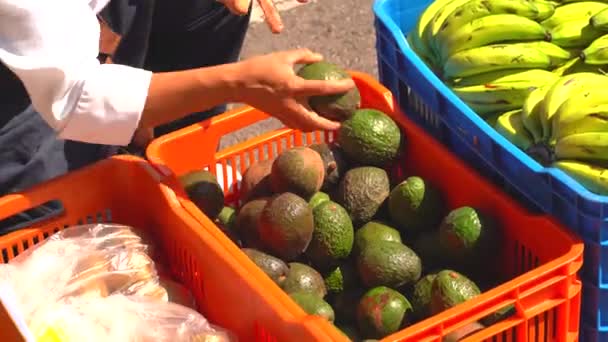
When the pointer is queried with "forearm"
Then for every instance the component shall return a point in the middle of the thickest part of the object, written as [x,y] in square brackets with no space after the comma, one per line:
[173,95]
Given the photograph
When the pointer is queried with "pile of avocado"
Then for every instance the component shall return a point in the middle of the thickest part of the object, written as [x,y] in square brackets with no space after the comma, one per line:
[349,241]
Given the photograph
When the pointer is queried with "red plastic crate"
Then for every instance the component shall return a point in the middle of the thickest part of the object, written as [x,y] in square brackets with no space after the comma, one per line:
[541,257]
[129,191]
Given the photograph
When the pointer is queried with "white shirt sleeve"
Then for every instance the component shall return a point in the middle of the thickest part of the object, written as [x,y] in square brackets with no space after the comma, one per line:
[52,46]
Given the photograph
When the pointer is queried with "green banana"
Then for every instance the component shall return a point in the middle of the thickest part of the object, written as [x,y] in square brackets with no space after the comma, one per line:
[573,11]
[592,177]
[590,146]
[574,33]
[600,20]
[491,29]
[510,126]
[530,112]
[433,26]
[529,55]
[502,93]
[559,92]
[415,37]
[475,9]
[576,65]
[597,52]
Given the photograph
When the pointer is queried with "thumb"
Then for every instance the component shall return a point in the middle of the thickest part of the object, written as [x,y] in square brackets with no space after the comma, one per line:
[238,7]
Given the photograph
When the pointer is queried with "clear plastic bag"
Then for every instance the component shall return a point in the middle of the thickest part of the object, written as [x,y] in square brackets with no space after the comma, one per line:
[92,276]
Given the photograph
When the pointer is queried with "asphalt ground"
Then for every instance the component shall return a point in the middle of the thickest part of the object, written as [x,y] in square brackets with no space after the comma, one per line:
[340,30]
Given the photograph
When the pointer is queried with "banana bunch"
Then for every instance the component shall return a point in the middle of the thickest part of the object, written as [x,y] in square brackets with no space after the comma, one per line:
[565,124]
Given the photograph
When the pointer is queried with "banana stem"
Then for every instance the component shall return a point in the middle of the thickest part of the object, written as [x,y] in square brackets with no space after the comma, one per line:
[541,153]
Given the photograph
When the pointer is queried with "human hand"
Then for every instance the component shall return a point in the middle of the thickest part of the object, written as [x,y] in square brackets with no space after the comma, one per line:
[271,15]
[270,84]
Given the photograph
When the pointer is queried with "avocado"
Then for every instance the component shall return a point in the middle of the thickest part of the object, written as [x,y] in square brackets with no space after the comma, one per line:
[498,315]
[428,249]
[463,332]
[341,278]
[449,289]
[421,296]
[332,237]
[336,107]
[415,206]
[466,235]
[286,225]
[274,268]
[382,311]
[370,137]
[226,222]
[334,161]
[388,263]
[204,191]
[345,304]
[318,198]
[303,278]
[256,180]
[313,305]
[375,231]
[299,170]
[247,219]
[362,192]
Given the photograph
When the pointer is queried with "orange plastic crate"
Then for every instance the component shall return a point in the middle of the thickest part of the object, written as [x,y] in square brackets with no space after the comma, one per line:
[128,190]
[541,258]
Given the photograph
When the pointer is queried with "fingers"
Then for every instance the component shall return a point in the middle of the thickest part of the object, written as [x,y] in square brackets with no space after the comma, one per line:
[301,87]
[237,7]
[306,120]
[271,15]
[303,56]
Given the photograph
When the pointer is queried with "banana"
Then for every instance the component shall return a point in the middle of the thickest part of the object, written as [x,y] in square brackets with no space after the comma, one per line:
[600,20]
[590,146]
[491,29]
[559,92]
[530,112]
[510,126]
[545,9]
[502,93]
[573,11]
[480,8]
[597,52]
[593,122]
[542,55]
[415,37]
[576,65]
[592,177]
[435,23]
[574,33]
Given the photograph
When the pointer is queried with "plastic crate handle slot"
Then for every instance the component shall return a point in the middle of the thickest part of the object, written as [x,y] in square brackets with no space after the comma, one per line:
[32,215]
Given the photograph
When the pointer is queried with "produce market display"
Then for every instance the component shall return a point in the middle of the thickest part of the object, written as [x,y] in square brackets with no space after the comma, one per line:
[533,70]
[348,240]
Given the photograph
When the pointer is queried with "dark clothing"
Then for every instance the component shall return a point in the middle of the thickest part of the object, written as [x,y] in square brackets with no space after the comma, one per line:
[158,35]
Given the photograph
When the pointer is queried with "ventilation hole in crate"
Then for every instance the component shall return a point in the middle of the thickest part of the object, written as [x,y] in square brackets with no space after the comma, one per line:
[99,218]
[15,249]
[79,222]
[25,245]
[45,235]
[4,256]
[108,213]
[291,140]
[35,240]
[90,219]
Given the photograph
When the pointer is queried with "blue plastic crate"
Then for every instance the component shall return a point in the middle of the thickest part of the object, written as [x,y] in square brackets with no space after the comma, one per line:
[432,105]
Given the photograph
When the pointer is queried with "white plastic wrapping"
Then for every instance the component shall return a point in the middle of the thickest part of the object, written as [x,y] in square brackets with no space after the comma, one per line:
[97,283]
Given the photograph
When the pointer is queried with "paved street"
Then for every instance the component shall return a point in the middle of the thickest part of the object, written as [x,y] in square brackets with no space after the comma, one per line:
[340,30]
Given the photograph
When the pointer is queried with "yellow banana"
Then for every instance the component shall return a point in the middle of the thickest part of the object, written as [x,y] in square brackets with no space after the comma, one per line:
[573,11]
[530,112]
[590,146]
[433,26]
[591,123]
[574,33]
[491,29]
[559,92]
[415,37]
[597,52]
[510,126]
[600,20]
[592,177]
[529,55]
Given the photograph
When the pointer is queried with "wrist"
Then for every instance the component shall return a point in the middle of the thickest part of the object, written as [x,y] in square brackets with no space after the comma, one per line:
[232,81]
